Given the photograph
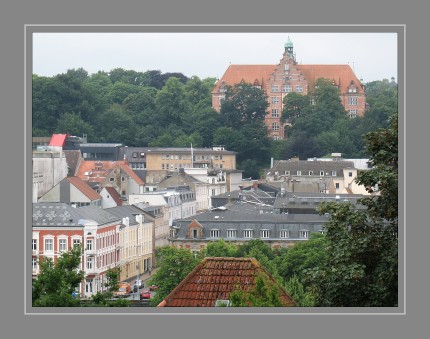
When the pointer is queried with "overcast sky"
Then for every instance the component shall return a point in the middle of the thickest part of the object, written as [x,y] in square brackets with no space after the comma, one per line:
[373,56]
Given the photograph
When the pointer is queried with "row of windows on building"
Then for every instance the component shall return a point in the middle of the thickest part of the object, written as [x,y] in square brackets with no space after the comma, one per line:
[248,234]
[188,157]
[352,100]
[62,243]
[287,88]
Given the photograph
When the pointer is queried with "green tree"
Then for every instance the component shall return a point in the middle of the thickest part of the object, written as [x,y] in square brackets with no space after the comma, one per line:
[73,124]
[302,256]
[298,293]
[105,298]
[172,104]
[264,294]
[174,264]
[220,248]
[295,106]
[243,104]
[54,286]
[362,266]
[116,125]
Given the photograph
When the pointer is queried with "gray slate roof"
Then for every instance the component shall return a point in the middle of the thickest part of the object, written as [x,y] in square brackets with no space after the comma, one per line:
[244,216]
[61,214]
[281,166]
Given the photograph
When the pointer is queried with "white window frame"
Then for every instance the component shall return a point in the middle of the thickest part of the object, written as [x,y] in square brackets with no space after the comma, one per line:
[322,173]
[275,100]
[61,242]
[275,113]
[275,126]
[232,233]
[76,241]
[90,263]
[264,234]
[299,172]
[284,234]
[34,263]
[287,88]
[51,239]
[248,234]
[275,88]
[333,173]
[299,89]
[304,234]
[89,244]
[353,100]
[215,233]
[352,113]
[34,244]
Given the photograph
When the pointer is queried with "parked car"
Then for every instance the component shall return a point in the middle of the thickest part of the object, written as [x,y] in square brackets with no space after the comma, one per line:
[124,290]
[145,295]
[153,287]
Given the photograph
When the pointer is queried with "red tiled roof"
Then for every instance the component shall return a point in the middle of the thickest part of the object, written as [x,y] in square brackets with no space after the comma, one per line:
[214,278]
[58,140]
[115,195]
[341,74]
[93,173]
[247,73]
[84,188]
[127,169]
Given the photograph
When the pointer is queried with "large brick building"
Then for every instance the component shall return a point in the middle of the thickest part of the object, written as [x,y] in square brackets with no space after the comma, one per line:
[289,76]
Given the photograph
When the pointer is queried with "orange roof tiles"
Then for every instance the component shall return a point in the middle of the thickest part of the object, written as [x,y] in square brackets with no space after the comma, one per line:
[84,188]
[341,74]
[214,278]
[95,171]
[247,73]
[127,169]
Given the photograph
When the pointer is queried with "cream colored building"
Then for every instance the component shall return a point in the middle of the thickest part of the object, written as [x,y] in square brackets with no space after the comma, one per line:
[172,159]
[135,242]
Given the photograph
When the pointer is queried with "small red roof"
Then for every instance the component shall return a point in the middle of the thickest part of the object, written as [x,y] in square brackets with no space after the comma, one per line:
[114,195]
[58,140]
[84,188]
[214,278]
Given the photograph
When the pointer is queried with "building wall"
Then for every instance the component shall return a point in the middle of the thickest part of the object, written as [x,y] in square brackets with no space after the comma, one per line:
[171,160]
[53,167]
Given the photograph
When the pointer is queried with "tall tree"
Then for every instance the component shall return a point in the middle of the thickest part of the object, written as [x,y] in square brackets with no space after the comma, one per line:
[362,266]
[174,265]
[57,281]
[243,104]
[171,102]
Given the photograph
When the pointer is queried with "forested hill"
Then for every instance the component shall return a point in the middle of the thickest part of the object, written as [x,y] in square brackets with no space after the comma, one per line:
[171,110]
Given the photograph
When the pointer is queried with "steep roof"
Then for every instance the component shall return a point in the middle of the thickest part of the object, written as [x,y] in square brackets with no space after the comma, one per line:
[114,195]
[126,168]
[341,74]
[58,140]
[258,74]
[84,188]
[214,278]
[73,159]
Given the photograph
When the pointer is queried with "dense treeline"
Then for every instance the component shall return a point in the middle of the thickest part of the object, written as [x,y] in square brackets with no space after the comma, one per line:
[171,110]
